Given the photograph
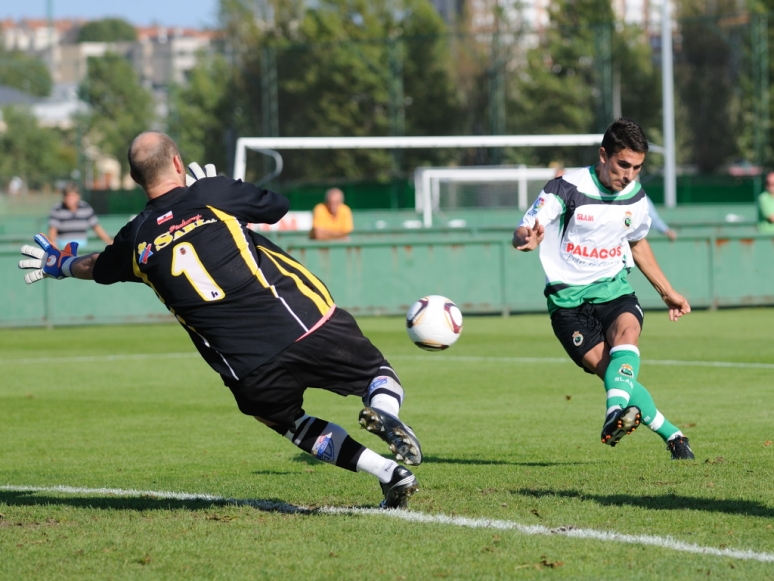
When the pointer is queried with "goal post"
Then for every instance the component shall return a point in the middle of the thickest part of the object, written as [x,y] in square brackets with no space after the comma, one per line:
[265,144]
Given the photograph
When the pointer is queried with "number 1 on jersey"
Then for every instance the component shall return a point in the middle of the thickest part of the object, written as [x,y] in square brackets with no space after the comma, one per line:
[186,261]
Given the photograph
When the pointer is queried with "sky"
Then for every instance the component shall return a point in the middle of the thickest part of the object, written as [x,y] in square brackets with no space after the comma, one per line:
[186,13]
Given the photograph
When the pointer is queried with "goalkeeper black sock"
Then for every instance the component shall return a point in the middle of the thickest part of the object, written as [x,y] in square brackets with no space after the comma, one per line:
[326,441]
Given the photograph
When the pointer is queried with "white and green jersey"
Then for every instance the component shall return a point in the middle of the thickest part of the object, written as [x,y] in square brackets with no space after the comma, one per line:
[585,252]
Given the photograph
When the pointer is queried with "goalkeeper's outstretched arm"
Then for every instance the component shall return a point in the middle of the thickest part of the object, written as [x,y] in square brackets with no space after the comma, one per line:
[83,266]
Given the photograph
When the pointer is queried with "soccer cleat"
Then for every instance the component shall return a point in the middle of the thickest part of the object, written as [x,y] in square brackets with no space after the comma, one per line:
[399,437]
[619,423]
[399,489]
[680,449]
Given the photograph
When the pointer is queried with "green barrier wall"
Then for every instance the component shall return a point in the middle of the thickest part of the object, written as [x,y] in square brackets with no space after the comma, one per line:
[482,274]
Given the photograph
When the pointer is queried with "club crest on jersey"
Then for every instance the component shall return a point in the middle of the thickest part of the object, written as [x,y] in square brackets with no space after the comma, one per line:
[626,370]
[628,219]
[164,217]
[539,203]
[145,252]
[577,339]
[323,447]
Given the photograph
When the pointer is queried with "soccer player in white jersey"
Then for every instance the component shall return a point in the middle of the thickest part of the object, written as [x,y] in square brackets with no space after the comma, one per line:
[591,225]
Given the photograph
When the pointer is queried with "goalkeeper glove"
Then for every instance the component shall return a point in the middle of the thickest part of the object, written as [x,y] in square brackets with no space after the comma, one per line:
[50,262]
[198,173]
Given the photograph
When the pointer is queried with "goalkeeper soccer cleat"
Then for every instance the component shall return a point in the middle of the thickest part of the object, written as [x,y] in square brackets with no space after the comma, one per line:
[680,449]
[399,437]
[399,489]
[619,423]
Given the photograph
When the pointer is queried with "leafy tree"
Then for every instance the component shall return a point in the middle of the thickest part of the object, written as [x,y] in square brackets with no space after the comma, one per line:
[107,30]
[37,155]
[341,65]
[199,112]
[24,72]
[559,90]
[120,107]
[707,80]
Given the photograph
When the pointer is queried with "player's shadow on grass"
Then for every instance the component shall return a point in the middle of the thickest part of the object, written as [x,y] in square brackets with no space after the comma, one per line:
[659,502]
[143,503]
[489,462]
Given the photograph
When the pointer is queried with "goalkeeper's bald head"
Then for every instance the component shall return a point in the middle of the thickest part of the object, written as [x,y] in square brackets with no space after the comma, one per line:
[151,158]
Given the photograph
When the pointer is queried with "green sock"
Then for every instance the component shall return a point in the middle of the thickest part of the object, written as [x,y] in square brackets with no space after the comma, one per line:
[651,417]
[621,375]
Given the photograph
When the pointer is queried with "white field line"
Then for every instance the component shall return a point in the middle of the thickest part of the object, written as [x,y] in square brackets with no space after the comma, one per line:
[426,358]
[417,517]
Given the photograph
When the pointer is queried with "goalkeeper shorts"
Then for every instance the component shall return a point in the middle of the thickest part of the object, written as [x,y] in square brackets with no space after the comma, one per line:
[337,357]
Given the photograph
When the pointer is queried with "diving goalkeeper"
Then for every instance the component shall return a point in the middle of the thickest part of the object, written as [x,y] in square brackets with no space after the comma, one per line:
[261,320]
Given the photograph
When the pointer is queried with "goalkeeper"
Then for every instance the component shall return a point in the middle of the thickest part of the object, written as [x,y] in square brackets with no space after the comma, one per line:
[591,225]
[266,324]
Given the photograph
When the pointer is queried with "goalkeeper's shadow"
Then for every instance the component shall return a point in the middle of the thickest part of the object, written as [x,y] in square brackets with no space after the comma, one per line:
[144,503]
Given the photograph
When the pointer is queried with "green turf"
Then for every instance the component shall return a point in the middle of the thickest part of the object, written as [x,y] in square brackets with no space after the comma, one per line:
[503,440]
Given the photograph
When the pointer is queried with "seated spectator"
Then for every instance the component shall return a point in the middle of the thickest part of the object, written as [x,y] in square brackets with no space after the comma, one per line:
[766,206]
[331,220]
[71,219]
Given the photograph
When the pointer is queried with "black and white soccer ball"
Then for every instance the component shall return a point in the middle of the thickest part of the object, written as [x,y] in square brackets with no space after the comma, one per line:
[434,323]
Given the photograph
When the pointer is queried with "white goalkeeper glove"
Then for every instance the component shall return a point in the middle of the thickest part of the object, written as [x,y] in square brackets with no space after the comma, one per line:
[198,173]
[50,262]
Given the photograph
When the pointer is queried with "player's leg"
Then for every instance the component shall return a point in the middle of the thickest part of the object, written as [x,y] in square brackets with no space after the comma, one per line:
[621,417]
[380,416]
[623,319]
[330,443]
[581,334]
[274,396]
[675,440]
[356,367]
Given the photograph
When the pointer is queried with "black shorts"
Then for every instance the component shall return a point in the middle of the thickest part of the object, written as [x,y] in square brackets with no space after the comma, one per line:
[336,357]
[581,329]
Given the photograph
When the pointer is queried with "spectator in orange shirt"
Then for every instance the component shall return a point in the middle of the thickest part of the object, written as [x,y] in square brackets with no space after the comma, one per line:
[331,220]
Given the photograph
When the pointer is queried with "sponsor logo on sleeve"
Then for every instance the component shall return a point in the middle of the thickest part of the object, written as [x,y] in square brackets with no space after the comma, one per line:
[585,217]
[539,203]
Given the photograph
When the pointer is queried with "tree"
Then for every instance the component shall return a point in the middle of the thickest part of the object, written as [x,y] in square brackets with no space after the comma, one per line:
[707,81]
[37,155]
[120,107]
[561,90]
[24,72]
[107,30]
[199,112]
[351,68]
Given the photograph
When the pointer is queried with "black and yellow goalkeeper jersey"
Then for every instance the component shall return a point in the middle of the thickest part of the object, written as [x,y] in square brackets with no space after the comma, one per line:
[241,298]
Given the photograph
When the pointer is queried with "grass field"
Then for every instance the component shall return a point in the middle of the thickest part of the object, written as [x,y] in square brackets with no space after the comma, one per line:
[515,482]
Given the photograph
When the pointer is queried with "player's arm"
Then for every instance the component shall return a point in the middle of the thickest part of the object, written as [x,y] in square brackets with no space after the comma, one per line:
[532,229]
[646,262]
[50,262]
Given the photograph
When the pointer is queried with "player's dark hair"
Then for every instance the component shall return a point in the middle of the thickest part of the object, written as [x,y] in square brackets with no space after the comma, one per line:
[624,134]
[148,163]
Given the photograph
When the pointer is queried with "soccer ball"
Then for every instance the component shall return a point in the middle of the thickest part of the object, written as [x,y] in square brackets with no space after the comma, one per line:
[434,323]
